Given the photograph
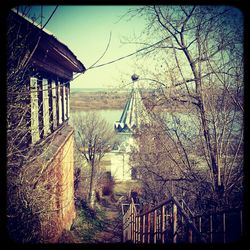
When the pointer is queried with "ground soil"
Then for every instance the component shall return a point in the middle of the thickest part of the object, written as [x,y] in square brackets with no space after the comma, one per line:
[109,218]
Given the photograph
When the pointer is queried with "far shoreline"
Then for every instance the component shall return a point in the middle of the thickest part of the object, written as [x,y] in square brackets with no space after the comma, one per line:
[109,99]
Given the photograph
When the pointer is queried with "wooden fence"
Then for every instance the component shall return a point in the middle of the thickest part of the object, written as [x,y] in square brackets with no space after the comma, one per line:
[172,221]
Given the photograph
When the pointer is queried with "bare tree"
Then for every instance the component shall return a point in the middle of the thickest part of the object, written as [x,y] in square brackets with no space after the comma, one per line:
[17,133]
[94,138]
[203,58]
[31,182]
[157,164]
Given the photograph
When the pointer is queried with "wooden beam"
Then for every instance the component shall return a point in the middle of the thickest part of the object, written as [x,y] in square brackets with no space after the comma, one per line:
[143,228]
[53,87]
[174,216]
[40,61]
[34,110]
[45,107]
[211,228]
[60,100]
[148,229]
[64,103]
[224,227]
[163,219]
[190,234]
[155,226]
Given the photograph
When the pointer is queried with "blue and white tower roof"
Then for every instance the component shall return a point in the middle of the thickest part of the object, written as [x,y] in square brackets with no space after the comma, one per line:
[135,113]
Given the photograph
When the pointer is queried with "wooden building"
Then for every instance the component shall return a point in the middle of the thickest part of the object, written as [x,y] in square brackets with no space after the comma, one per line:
[40,141]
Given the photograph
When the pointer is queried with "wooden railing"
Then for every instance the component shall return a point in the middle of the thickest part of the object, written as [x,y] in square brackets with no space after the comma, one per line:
[131,231]
[172,221]
[222,227]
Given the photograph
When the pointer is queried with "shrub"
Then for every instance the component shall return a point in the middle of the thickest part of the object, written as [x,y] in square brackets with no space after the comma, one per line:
[107,184]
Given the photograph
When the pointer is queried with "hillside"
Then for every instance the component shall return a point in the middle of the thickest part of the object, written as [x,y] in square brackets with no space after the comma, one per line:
[98,100]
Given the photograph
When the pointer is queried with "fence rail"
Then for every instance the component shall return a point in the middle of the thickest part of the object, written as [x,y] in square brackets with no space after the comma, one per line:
[172,221]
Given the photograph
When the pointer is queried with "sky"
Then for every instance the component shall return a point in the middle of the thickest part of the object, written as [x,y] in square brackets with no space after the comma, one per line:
[86,31]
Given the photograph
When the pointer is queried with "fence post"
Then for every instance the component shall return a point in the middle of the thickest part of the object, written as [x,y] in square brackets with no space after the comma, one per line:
[182,206]
[131,223]
[224,227]
[148,233]
[211,227]
[174,216]
[190,234]
[200,224]
[155,225]
[135,228]
[139,228]
[163,224]
[241,223]
[143,228]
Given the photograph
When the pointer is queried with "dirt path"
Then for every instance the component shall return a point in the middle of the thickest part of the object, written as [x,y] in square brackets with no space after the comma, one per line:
[102,226]
[112,229]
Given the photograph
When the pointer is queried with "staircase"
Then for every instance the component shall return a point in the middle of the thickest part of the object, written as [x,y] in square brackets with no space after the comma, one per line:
[173,222]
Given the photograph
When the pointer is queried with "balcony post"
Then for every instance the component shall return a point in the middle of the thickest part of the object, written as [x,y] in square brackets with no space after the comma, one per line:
[68,101]
[60,101]
[34,110]
[53,87]
[64,103]
[45,107]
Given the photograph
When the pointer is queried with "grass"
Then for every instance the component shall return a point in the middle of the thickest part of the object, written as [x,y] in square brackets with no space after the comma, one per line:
[93,226]
[124,188]
[87,222]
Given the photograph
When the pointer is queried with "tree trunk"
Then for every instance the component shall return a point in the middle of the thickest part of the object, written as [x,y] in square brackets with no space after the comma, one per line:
[91,186]
[214,165]
[92,198]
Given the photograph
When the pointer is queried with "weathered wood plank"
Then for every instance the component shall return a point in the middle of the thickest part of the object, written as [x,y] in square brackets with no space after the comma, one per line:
[53,87]
[174,216]
[46,107]
[60,102]
[34,110]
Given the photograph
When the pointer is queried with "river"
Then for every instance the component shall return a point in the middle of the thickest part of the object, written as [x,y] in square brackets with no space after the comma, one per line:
[184,122]
[110,115]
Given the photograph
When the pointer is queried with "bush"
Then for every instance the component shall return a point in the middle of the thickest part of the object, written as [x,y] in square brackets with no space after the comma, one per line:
[107,184]
[107,190]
